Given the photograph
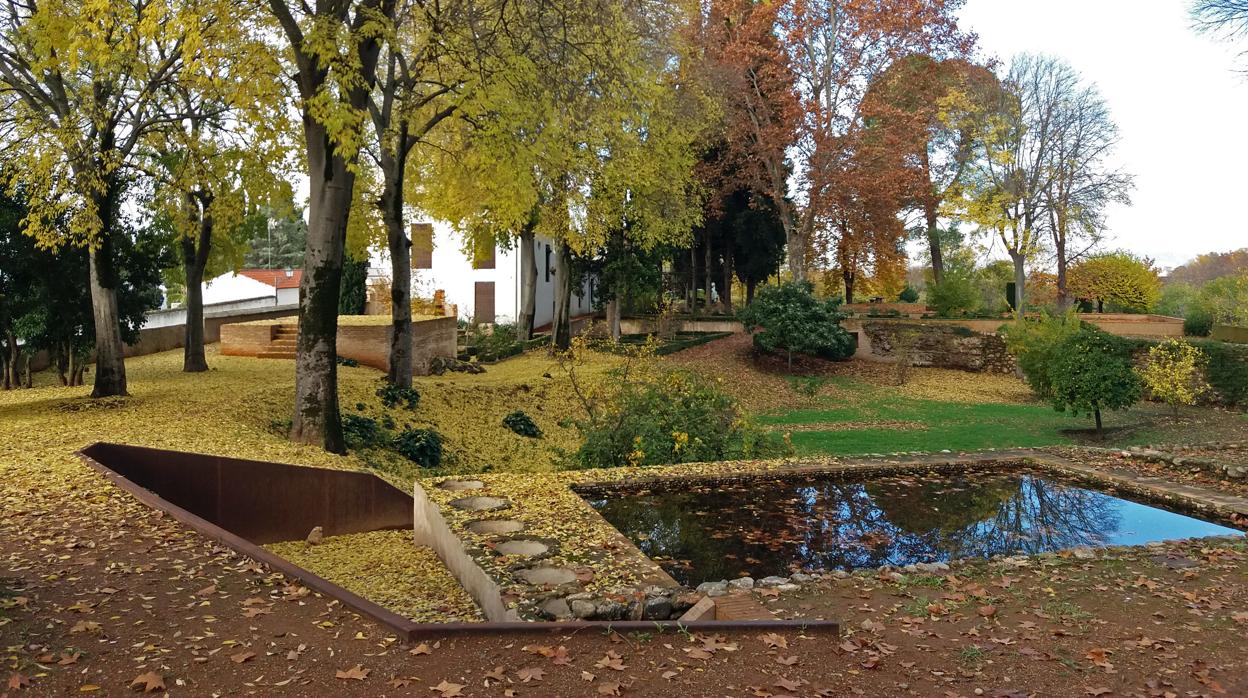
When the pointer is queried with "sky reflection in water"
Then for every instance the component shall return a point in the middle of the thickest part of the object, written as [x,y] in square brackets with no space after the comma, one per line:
[716,531]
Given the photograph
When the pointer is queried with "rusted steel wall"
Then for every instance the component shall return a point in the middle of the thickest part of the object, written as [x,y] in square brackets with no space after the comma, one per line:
[260,501]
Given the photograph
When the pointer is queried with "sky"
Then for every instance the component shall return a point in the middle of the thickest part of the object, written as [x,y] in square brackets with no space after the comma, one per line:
[1180,105]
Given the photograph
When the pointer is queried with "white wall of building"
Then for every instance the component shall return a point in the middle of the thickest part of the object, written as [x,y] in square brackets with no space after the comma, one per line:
[452,272]
[228,288]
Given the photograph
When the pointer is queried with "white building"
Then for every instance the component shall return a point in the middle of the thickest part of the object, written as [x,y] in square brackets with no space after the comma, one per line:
[264,286]
[486,289]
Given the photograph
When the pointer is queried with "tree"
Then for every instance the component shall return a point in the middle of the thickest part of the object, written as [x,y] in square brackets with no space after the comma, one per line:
[1225,299]
[793,321]
[1227,19]
[277,238]
[45,301]
[589,138]
[1091,371]
[1209,266]
[1004,189]
[792,79]
[1081,184]
[333,48]
[939,110]
[354,293]
[1118,278]
[226,151]
[1172,373]
[80,87]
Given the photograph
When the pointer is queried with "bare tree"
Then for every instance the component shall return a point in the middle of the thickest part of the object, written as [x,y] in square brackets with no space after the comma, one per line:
[1225,19]
[1081,183]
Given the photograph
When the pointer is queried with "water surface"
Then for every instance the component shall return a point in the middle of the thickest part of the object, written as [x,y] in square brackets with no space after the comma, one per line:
[722,530]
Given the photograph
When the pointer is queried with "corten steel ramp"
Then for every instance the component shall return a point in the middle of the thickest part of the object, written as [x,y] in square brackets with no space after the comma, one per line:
[245,504]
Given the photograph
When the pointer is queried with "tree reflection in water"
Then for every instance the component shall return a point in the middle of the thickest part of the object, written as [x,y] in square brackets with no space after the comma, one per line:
[724,530]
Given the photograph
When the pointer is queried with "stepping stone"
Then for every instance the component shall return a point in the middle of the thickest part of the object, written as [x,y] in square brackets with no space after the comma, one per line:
[460,485]
[553,576]
[495,526]
[480,503]
[523,546]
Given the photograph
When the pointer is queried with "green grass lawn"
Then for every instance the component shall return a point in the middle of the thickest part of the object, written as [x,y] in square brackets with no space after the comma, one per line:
[872,419]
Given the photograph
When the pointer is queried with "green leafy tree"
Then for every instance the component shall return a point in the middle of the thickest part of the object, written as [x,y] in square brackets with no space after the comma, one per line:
[1119,279]
[354,293]
[1091,371]
[1172,373]
[794,321]
[82,87]
[276,240]
[1035,344]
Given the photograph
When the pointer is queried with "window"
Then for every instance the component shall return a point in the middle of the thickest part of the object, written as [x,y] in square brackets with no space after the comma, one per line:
[548,264]
[422,246]
[483,303]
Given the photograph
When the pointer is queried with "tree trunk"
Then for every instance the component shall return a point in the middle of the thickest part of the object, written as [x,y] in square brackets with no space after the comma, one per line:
[400,246]
[194,261]
[693,277]
[528,283]
[726,296]
[316,418]
[561,330]
[1063,298]
[1097,412]
[933,244]
[848,278]
[30,373]
[1020,283]
[707,272]
[8,360]
[61,361]
[110,366]
[749,291]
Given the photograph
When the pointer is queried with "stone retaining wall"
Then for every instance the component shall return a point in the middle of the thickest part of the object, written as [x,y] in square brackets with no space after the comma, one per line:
[935,346]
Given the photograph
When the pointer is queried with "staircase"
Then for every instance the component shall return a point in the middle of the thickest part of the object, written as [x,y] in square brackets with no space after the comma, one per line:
[283,344]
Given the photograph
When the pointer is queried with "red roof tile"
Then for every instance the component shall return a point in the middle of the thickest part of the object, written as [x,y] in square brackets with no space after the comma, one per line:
[277,278]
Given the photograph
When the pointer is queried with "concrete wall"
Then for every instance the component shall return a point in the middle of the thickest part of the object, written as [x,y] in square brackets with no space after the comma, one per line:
[369,345]
[650,325]
[1230,333]
[153,340]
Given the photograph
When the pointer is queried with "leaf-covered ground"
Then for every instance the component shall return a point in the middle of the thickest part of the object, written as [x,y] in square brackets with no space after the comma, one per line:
[99,593]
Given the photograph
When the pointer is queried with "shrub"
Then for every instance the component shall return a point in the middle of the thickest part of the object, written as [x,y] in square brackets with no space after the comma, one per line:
[393,395]
[669,417]
[1172,373]
[956,295]
[1198,321]
[522,424]
[1227,371]
[908,294]
[793,321]
[1091,371]
[361,432]
[1034,343]
[498,342]
[421,446]
[1118,279]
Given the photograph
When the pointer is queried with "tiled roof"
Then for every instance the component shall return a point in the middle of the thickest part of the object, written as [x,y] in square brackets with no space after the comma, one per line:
[278,278]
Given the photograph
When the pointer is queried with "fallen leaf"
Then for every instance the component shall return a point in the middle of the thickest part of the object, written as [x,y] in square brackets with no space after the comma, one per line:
[356,672]
[151,681]
[449,690]
[988,611]
[530,674]
[242,657]
[18,681]
[610,688]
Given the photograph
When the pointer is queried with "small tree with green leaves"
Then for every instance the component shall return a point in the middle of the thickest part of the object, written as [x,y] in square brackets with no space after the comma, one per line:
[794,321]
[1034,344]
[1172,373]
[1091,371]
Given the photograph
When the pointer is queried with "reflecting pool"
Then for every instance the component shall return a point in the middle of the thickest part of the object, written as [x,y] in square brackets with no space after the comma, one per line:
[722,530]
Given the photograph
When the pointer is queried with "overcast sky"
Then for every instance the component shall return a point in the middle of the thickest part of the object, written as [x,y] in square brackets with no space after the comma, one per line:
[1182,109]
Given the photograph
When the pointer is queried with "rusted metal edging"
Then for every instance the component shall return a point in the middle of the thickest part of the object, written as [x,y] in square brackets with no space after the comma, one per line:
[406,628]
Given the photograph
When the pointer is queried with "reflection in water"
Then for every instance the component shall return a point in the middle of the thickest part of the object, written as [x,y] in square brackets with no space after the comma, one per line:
[725,530]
